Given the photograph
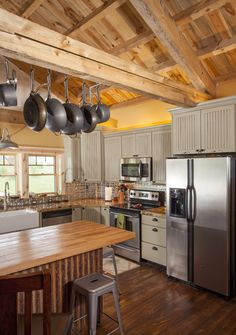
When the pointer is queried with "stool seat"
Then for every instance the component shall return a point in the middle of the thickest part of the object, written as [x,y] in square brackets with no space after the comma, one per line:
[93,287]
[94,283]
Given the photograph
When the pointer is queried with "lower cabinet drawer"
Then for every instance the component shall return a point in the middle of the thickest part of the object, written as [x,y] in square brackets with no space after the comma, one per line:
[154,220]
[152,234]
[154,253]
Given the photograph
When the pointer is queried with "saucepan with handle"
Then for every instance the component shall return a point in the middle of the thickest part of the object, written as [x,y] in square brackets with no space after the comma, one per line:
[75,117]
[103,111]
[91,118]
[56,113]
[8,95]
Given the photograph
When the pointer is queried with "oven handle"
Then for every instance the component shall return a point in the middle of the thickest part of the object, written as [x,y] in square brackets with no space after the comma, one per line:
[140,169]
[128,216]
[125,248]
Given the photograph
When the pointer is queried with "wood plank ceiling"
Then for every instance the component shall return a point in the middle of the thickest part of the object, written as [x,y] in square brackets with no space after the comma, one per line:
[192,42]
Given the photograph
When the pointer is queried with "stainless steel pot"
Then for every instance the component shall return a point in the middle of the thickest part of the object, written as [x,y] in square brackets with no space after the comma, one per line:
[8,95]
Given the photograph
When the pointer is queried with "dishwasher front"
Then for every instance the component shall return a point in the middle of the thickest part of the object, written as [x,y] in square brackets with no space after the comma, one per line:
[57,216]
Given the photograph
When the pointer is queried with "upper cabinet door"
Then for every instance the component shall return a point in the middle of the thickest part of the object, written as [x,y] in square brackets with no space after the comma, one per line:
[91,156]
[218,129]
[128,145]
[161,149]
[112,158]
[186,134]
[72,159]
[143,144]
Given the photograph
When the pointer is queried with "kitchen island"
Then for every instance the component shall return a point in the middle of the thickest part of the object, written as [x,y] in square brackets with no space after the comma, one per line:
[70,251]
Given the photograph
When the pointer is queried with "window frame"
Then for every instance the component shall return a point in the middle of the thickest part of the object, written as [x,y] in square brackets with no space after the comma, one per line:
[42,174]
[16,174]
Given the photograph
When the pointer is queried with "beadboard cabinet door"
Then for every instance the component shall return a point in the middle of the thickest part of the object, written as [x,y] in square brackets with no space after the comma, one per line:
[218,129]
[128,145]
[92,156]
[138,144]
[112,158]
[72,159]
[76,214]
[161,149]
[91,214]
[186,132]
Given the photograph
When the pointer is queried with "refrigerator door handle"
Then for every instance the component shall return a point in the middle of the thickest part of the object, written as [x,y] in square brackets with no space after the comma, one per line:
[189,214]
[193,204]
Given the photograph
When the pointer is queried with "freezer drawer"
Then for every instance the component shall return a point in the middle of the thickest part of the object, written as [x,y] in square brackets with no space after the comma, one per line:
[177,249]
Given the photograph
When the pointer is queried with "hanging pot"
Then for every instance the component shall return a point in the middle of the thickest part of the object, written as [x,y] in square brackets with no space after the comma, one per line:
[103,111]
[89,121]
[34,111]
[8,95]
[75,117]
[91,116]
[56,114]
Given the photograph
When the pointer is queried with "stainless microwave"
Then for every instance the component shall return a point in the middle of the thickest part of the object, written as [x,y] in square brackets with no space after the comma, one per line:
[136,169]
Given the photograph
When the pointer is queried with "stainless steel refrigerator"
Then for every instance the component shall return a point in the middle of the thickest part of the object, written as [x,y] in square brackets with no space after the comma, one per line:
[201,222]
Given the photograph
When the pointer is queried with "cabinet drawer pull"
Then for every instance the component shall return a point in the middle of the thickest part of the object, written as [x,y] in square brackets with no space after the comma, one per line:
[155,248]
[155,220]
[155,229]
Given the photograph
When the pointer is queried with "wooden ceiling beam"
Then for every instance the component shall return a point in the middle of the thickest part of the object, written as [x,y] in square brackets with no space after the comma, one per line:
[94,16]
[159,21]
[49,49]
[31,7]
[196,11]
[11,116]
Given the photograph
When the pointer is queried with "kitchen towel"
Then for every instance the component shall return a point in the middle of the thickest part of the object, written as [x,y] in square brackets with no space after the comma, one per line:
[121,221]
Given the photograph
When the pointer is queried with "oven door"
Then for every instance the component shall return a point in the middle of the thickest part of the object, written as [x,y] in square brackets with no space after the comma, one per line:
[131,223]
[135,169]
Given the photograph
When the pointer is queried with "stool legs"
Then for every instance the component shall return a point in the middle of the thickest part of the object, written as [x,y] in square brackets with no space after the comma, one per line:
[92,314]
[117,306]
[116,272]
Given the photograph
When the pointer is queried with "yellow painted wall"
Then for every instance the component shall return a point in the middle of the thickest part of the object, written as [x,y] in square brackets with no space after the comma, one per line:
[226,88]
[27,137]
[141,114]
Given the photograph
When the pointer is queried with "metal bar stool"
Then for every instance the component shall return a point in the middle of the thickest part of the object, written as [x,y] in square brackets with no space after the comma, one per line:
[93,287]
[109,252]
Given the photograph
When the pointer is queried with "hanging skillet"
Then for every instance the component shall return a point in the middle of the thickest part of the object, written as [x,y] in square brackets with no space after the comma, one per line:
[56,114]
[34,111]
[89,112]
[75,117]
[103,111]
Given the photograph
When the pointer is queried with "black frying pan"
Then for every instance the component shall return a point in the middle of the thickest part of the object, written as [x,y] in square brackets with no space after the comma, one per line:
[89,111]
[103,111]
[34,111]
[75,117]
[56,113]
[8,95]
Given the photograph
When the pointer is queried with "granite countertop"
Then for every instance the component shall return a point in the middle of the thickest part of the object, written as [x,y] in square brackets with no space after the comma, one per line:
[160,211]
[66,204]
[34,247]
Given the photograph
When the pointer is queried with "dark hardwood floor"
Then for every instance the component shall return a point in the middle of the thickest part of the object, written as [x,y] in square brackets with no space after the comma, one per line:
[152,304]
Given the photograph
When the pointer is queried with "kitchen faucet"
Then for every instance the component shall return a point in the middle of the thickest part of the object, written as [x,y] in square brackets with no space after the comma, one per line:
[6,195]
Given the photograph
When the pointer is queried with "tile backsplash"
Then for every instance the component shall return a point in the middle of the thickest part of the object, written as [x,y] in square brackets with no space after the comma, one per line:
[91,190]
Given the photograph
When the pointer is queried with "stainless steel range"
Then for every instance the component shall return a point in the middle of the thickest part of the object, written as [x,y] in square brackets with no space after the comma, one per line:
[128,216]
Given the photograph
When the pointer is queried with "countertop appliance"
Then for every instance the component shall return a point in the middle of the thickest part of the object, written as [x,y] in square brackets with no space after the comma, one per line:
[136,169]
[201,222]
[128,216]
[56,216]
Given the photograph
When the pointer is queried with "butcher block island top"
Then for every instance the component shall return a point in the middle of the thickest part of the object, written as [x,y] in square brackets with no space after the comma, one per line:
[34,247]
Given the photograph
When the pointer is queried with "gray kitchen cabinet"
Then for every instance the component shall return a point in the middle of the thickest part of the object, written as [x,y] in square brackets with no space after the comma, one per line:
[91,214]
[92,156]
[112,157]
[161,149]
[208,128]
[154,238]
[72,159]
[105,216]
[76,214]
[137,144]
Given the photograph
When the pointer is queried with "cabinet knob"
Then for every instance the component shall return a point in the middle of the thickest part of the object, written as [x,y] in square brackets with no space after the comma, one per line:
[155,229]
[155,220]
[155,248]
[197,150]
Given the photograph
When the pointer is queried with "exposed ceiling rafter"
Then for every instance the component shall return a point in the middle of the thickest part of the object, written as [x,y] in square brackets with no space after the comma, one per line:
[31,7]
[159,21]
